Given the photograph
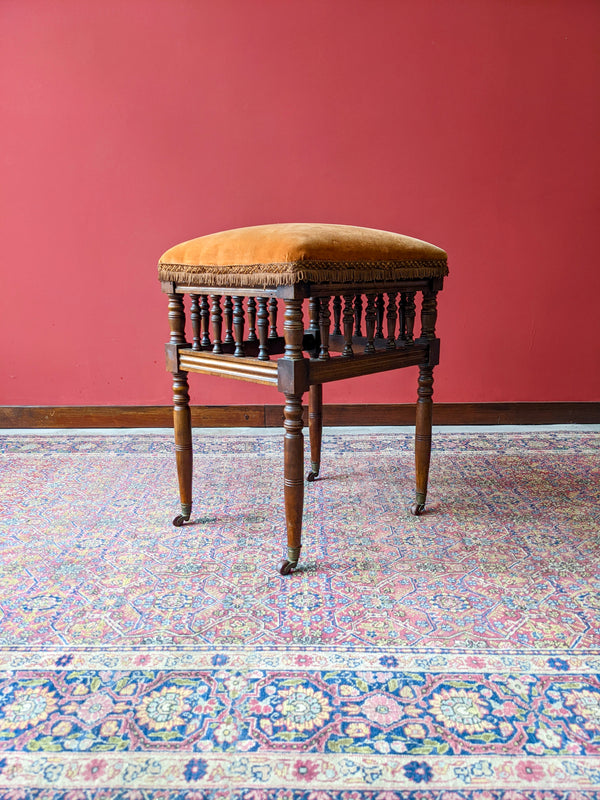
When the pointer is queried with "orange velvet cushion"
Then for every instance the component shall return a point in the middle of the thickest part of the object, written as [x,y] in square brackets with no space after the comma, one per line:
[288,253]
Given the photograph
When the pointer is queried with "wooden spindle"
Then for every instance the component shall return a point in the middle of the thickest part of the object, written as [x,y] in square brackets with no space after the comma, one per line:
[348,321]
[204,321]
[216,319]
[358,315]
[314,306]
[273,318]
[228,320]
[251,319]
[195,319]
[410,316]
[324,321]
[370,320]
[380,306]
[428,314]
[337,315]
[402,319]
[238,326]
[176,319]
[262,322]
[391,317]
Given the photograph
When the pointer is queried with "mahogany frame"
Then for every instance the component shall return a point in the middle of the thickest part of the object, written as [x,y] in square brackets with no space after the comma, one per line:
[301,361]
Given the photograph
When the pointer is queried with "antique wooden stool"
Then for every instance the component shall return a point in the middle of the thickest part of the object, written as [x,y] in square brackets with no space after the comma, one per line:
[244,273]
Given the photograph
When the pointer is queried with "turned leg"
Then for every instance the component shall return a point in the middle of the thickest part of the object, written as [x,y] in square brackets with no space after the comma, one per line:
[425,392]
[182,420]
[315,427]
[423,437]
[292,381]
[293,480]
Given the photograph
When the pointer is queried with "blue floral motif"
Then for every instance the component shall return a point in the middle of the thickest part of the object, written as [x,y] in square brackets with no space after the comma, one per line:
[463,774]
[558,664]
[371,774]
[261,772]
[219,660]
[239,767]
[348,767]
[195,769]
[482,769]
[64,661]
[131,773]
[2,764]
[388,661]
[418,771]
[571,768]
[52,772]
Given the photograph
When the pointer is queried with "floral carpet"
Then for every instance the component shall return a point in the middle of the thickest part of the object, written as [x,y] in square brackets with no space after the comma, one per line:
[453,656]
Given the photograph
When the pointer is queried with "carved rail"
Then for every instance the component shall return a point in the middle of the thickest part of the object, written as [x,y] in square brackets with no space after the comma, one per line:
[352,330]
[366,364]
[248,369]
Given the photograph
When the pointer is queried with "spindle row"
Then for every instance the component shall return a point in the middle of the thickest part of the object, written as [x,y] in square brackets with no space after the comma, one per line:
[226,323]
[398,314]
[219,320]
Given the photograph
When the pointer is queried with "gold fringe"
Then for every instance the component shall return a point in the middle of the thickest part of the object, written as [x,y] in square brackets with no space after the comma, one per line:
[253,276]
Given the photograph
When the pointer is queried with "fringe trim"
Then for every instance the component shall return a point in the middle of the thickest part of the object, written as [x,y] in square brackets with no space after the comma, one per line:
[253,276]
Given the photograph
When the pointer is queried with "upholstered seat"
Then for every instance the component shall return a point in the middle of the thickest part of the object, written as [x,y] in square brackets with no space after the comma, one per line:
[288,253]
[364,289]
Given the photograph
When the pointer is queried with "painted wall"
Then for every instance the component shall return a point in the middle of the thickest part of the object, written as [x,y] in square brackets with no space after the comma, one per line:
[130,125]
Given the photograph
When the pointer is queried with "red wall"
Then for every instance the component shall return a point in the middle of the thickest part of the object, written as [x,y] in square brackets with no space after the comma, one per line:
[129,125]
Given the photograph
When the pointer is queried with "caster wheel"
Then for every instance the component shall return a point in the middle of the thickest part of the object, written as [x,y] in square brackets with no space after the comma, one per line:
[417,509]
[179,520]
[285,567]
[311,476]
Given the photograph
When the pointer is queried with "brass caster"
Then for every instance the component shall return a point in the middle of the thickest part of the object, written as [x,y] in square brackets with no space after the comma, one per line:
[417,509]
[186,513]
[286,567]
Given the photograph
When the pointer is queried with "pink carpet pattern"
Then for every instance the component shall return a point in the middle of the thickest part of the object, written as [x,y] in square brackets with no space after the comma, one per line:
[454,656]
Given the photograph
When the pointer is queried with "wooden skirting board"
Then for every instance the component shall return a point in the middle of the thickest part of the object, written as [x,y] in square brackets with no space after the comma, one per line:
[268,416]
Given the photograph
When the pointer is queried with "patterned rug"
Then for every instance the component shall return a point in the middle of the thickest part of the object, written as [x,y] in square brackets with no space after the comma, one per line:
[453,656]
